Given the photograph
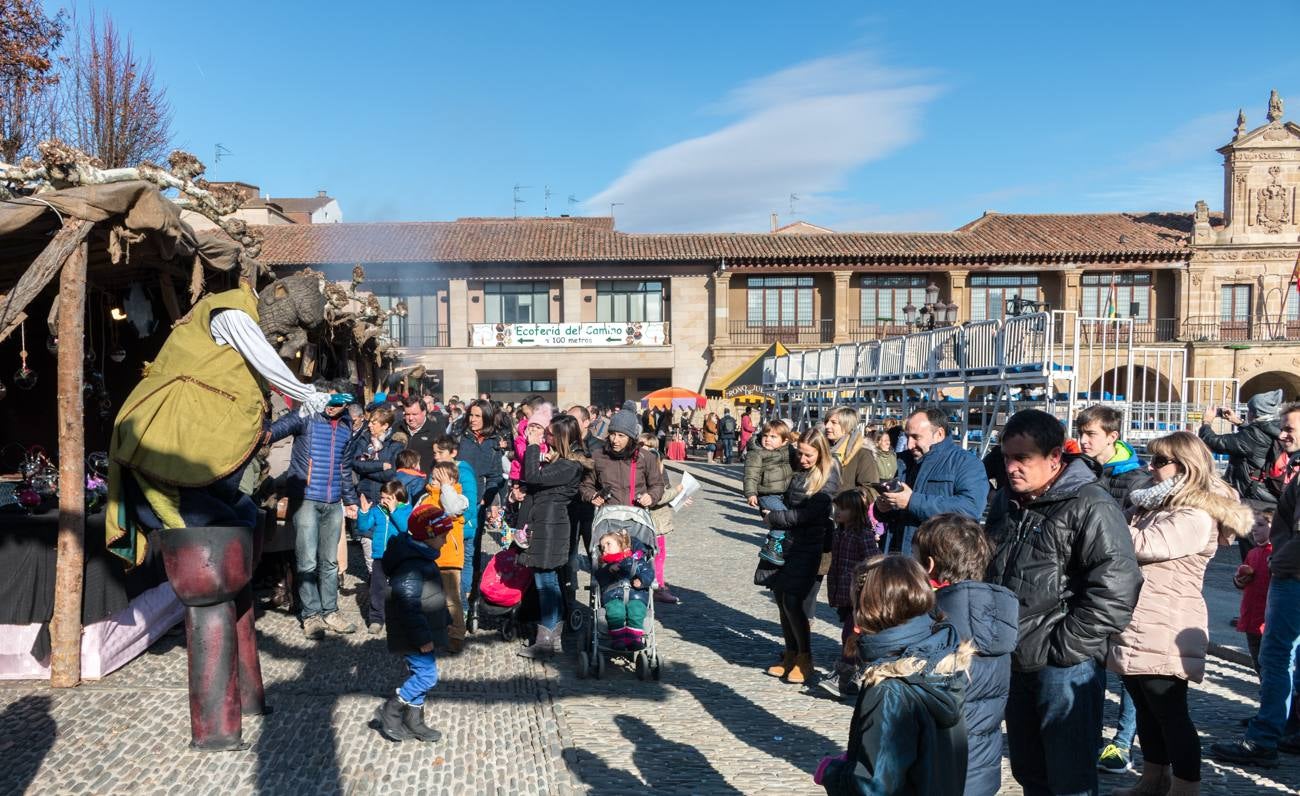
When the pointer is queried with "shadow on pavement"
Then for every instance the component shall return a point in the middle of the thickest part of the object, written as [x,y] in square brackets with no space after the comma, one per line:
[27,733]
[669,765]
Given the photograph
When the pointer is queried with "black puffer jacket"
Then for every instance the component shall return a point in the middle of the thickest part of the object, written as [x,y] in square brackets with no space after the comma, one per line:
[1248,452]
[807,523]
[1069,559]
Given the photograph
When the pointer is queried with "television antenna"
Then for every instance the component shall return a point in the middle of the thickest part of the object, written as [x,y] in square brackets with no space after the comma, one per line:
[517,200]
[572,200]
[794,204]
[221,152]
[546,201]
[613,205]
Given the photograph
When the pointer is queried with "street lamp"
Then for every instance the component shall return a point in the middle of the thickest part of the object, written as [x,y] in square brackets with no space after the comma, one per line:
[933,314]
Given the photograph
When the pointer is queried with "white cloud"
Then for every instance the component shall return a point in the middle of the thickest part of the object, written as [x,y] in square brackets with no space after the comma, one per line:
[802,130]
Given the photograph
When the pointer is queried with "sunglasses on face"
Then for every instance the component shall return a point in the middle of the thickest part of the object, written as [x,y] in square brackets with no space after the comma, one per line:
[1160,461]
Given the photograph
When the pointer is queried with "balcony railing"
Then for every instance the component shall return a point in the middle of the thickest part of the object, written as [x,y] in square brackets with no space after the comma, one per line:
[424,336]
[866,332]
[1219,330]
[745,333]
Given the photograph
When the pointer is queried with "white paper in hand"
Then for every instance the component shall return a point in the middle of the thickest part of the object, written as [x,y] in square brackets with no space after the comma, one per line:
[689,487]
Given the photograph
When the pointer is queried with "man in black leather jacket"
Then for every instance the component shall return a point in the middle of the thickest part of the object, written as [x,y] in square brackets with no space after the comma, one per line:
[1064,548]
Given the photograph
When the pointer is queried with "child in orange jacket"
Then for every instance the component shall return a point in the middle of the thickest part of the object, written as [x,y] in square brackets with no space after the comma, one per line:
[443,511]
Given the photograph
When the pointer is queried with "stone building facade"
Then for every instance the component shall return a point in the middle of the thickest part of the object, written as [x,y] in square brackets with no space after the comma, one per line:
[578,311]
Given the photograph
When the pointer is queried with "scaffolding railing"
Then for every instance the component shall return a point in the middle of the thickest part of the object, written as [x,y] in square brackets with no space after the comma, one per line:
[983,372]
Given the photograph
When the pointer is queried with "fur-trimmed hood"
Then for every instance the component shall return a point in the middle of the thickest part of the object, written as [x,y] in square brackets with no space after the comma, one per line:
[955,662]
[926,658]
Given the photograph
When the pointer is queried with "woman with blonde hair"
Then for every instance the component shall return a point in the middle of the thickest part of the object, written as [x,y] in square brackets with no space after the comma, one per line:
[849,447]
[807,523]
[1176,524]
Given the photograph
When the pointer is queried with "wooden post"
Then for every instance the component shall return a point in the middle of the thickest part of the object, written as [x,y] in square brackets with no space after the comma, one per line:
[65,628]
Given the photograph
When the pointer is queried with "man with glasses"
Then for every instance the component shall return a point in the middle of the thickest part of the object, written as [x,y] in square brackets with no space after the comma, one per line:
[1277,726]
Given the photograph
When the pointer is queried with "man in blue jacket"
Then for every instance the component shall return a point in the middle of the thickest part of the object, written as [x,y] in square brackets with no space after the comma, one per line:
[939,478]
[321,492]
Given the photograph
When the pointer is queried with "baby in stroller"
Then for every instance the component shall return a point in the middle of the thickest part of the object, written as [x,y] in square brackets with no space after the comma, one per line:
[624,574]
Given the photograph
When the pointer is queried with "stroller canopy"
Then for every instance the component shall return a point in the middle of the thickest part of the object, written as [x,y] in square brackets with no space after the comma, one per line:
[633,519]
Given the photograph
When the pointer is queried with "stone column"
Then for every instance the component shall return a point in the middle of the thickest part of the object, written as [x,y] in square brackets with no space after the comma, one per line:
[572,384]
[721,308]
[458,312]
[841,317]
[571,300]
[957,294]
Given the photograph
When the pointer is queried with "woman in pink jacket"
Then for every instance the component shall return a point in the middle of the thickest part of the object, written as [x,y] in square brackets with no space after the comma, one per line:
[747,429]
[1176,524]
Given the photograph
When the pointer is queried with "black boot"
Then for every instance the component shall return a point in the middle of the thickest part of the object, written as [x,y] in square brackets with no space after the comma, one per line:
[414,723]
[543,646]
[391,720]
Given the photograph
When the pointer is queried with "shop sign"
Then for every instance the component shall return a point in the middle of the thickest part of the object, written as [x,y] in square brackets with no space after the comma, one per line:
[559,335]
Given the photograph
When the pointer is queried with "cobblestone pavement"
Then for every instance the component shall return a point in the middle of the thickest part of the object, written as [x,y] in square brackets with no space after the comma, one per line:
[713,724]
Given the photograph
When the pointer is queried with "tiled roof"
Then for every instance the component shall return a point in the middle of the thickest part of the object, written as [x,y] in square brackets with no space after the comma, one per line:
[308,204]
[992,237]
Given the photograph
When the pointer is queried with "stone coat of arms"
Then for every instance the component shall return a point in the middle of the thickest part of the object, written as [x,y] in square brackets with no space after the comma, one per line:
[1273,204]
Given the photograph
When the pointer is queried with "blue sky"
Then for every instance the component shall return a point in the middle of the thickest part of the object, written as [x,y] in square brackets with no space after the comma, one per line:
[707,116]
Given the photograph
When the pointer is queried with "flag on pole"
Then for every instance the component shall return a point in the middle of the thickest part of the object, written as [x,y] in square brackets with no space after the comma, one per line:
[1295,273]
[1112,299]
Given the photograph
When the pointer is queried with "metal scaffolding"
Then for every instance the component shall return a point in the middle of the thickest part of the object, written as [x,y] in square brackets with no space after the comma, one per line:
[985,371]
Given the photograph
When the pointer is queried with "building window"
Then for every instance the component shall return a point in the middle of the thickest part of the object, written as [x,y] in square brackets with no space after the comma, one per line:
[517,302]
[646,384]
[779,301]
[622,301]
[1292,304]
[1117,295]
[884,297]
[989,293]
[423,325]
[506,385]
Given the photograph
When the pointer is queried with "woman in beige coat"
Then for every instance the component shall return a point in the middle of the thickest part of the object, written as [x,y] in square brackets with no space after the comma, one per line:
[1176,524]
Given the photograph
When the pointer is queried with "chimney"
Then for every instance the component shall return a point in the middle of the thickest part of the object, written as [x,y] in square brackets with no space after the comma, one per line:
[774,221]
[322,194]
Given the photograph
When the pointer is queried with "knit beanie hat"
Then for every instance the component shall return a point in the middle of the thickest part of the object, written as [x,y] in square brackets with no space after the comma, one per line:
[625,422]
[542,416]
[429,521]
[1265,405]
[629,405]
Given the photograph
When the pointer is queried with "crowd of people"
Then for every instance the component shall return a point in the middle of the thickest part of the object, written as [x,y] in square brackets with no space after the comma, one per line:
[419,482]
[970,593]
[973,593]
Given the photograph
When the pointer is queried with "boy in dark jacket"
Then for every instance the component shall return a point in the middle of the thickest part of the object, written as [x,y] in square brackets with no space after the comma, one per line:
[908,735]
[956,552]
[417,614]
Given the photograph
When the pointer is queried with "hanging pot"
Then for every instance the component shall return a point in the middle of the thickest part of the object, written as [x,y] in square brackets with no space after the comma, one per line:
[24,378]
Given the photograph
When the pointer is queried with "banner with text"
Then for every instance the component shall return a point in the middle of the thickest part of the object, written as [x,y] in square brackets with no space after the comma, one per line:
[555,335]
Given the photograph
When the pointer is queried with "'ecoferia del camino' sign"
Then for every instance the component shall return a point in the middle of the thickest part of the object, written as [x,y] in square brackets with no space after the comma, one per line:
[553,335]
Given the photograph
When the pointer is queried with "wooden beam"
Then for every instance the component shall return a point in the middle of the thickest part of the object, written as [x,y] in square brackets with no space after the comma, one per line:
[65,627]
[41,271]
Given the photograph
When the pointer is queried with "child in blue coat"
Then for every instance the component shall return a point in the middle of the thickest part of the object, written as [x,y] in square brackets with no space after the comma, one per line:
[955,552]
[379,523]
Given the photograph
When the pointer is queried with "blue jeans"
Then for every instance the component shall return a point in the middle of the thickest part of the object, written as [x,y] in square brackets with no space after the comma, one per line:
[1048,713]
[1278,674]
[898,541]
[1128,715]
[771,502]
[317,527]
[728,445]
[424,676]
[471,561]
[550,601]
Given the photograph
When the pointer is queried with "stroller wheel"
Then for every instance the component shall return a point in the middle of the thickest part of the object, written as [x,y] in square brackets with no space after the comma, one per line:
[509,631]
[471,621]
[642,666]
[655,668]
[584,665]
[600,666]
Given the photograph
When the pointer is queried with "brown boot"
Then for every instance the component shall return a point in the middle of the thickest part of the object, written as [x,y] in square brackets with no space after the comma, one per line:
[802,670]
[1153,782]
[780,669]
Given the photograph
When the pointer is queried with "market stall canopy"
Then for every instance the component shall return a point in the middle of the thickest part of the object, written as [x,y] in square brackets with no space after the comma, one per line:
[749,374]
[673,398]
[135,232]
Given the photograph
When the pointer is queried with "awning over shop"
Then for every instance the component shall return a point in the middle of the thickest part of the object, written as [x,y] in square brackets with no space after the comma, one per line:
[750,373]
